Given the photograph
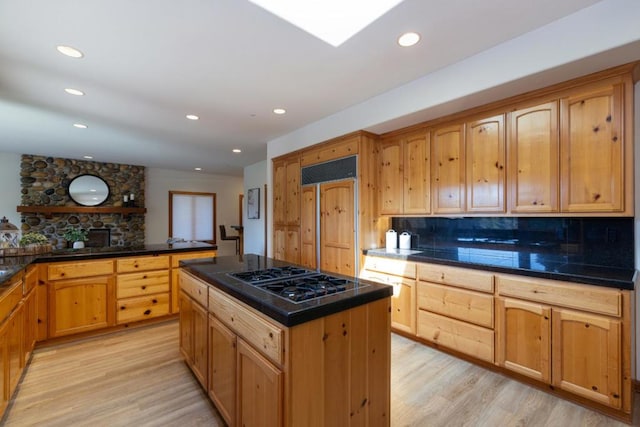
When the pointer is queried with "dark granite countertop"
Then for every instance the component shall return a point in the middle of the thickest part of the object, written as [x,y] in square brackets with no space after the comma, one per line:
[10,266]
[281,310]
[517,261]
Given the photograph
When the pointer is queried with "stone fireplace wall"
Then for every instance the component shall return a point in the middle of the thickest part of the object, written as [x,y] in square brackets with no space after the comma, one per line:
[45,182]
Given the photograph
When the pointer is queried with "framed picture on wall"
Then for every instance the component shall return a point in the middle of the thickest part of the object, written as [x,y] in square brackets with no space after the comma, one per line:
[253,203]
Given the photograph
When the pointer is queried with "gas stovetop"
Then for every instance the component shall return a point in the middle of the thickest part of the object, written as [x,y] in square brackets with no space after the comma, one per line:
[296,284]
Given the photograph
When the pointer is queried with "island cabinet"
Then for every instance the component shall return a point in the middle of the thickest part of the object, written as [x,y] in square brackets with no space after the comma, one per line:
[574,337]
[175,264]
[81,296]
[405,173]
[332,370]
[402,276]
[142,288]
[455,309]
[193,326]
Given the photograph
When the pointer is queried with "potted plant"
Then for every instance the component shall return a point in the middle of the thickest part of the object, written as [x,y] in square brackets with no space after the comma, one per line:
[76,235]
[33,242]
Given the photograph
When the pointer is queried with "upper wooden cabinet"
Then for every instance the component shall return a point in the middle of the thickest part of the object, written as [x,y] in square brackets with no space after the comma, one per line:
[286,191]
[592,145]
[534,153]
[405,174]
[448,169]
[486,156]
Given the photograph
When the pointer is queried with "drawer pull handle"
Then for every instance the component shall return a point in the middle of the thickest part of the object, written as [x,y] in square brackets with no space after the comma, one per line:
[122,307]
[147,312]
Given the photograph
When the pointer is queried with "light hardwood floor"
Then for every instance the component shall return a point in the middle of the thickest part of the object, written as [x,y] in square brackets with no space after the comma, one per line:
[137,378]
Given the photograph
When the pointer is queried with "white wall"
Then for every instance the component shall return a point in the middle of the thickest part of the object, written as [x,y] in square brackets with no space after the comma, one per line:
[255,176]
[10,184]
[160,181]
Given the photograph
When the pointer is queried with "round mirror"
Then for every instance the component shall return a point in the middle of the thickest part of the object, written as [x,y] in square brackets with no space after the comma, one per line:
[88,190]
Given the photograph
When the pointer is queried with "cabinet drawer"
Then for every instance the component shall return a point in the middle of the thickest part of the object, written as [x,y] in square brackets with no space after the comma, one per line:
[582,297]
[77,269]
[262,334]
[10,300]
[391,266]
[139,308]
[193,287]
[144,263]
[460,304]
[143,283]
[469,339]
[175,259]
[461,277]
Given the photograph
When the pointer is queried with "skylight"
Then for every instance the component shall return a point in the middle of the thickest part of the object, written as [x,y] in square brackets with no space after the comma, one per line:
[333,21]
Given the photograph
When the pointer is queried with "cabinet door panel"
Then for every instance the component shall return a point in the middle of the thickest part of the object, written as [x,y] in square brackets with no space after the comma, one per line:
[259,389]
[308,227]
[524,338]
[293,193]
[279,193]
[337,240]
[534,153]
[448,179]
[222,369]
[417,175]
[485,165]
[390,176]
[586,356]
[592,151]
[200,348]
[81,305]
[186,327]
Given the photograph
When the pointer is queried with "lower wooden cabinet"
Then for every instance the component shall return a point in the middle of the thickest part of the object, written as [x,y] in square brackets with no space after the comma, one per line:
[586,356]
[193,337]
[80,305]
[259,387]
[403,301]
[523,342]
[222,369]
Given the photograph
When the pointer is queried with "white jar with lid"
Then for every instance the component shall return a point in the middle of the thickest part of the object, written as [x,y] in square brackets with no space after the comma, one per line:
[391,240]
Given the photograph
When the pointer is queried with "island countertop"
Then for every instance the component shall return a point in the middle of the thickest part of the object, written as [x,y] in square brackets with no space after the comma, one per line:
[288,313]
[10,266]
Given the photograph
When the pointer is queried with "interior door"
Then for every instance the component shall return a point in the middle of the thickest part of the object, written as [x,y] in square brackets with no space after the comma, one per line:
[337,227]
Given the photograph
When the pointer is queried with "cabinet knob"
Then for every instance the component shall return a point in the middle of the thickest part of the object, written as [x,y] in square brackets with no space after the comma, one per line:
[147,312]
[143,287]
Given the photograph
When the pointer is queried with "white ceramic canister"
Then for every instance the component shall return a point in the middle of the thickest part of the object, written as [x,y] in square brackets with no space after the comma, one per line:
[405,240]
[392,239]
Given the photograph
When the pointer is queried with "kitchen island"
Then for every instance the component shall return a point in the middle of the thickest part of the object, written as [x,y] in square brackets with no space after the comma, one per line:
[266,359]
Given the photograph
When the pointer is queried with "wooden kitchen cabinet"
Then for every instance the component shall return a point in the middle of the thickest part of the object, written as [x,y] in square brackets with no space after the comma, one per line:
[485,163]
[586,356]
[593,150]
[142,288]
[337,227]
[222,369]
[448,169]
[402,276]
[286,208]
[523,338]
[175,264]
[80,305]
[308,240]
[259,388]
[405,174]
[194,326]
[534,153]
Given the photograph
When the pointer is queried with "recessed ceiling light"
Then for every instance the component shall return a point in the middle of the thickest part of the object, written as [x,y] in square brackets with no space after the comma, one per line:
[80,126]
[192,117]
[279,111]
[69,51]
[197,169]
[75,92]
[408,39]
[333,21]
[237,150]
[87,157]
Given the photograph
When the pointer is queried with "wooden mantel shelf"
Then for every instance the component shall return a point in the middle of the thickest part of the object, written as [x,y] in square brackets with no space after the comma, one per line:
[48,211]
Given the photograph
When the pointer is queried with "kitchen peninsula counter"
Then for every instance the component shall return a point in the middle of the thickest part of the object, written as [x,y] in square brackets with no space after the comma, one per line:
[517,260]
[10,266]
[288,313]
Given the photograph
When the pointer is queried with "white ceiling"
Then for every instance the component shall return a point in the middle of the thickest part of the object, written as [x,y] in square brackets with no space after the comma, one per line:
[148,63]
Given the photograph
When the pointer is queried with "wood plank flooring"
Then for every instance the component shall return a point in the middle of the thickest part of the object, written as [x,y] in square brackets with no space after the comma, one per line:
[137,378]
